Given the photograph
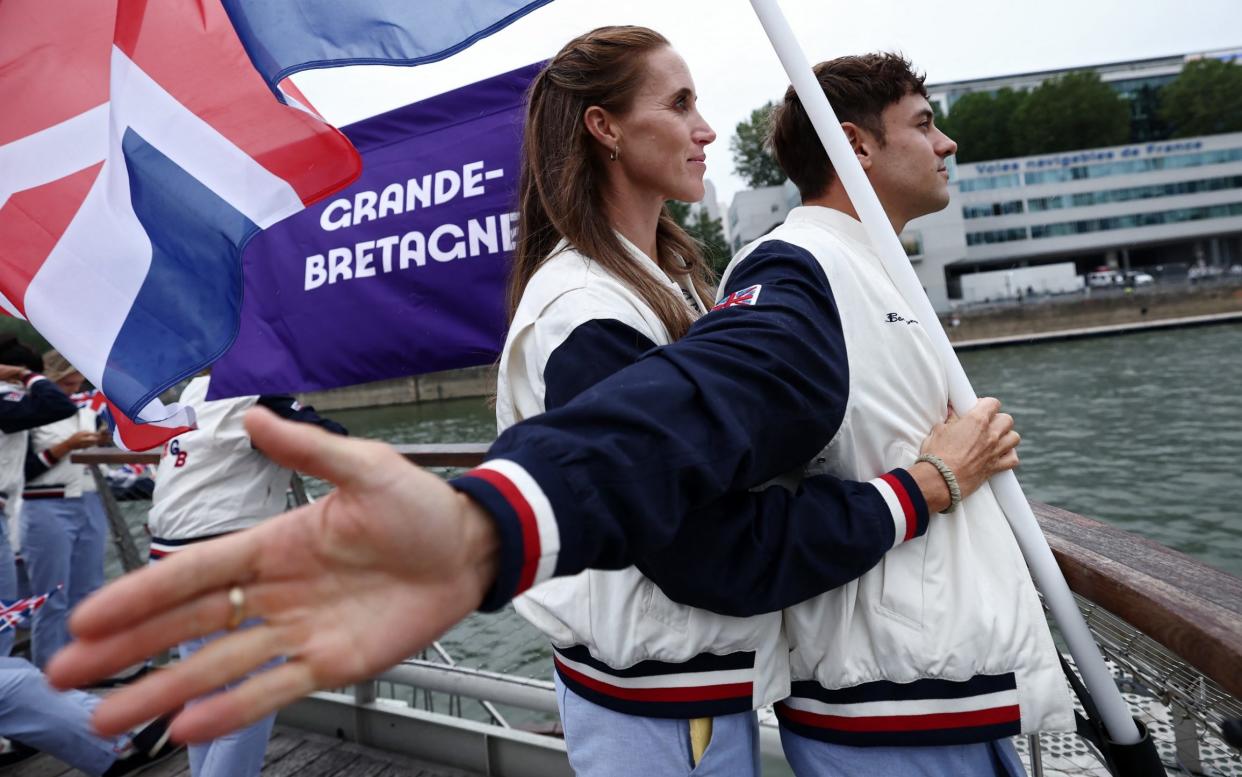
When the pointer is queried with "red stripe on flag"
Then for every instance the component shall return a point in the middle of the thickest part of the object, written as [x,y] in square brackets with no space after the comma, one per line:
[928,722]
[907,506]
[689,693]
[526,518]
[54,57]
[193,52]
[31,224]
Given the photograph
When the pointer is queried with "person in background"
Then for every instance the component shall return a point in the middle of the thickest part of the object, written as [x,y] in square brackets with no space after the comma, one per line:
[212,481]
[35,718]
[27,400]
[64,528]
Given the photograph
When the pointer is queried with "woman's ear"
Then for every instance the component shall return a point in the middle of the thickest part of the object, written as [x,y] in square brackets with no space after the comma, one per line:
[603,127]
[860,141]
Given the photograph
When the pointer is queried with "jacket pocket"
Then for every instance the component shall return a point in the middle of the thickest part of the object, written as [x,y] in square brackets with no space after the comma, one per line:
[657,606]
[903,584]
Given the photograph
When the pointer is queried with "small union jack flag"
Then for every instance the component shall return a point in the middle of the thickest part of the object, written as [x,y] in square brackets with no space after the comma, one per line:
[747,296]
[16,615]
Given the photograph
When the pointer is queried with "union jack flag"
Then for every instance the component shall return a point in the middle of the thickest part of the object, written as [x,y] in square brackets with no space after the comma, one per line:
[16,615]
[747,296]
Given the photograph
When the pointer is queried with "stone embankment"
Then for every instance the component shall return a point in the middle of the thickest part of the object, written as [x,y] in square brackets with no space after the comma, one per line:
[1119,309]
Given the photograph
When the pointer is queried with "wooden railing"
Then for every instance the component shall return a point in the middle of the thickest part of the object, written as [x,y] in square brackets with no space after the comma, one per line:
[1192,609]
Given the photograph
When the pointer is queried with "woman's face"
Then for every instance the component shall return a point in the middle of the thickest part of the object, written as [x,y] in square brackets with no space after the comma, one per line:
[663,137]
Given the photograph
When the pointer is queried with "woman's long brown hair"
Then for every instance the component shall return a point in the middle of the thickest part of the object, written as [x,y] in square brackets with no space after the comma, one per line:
[560,186]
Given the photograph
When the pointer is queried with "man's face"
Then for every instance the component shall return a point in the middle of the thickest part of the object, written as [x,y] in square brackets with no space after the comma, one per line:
[908,171]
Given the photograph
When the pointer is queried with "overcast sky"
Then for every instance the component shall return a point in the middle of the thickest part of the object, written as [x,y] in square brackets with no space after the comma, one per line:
[735,70]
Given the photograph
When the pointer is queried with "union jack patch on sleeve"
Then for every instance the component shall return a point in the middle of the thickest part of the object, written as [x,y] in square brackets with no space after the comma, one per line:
[747,296]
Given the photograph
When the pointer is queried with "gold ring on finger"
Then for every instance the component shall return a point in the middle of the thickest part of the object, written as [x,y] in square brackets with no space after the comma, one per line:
[237,599]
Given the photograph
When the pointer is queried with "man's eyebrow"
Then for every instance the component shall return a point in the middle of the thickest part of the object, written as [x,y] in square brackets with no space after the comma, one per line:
[685,91]
[925,113]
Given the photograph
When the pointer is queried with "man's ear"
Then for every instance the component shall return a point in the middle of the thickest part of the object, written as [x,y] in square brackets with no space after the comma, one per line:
[603,127]
[860,141]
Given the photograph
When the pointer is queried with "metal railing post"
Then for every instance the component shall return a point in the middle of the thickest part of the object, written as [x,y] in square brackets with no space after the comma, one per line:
[126,550]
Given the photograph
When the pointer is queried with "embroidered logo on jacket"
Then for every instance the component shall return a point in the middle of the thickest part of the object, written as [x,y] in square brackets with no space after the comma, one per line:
[747,296]
[894,318]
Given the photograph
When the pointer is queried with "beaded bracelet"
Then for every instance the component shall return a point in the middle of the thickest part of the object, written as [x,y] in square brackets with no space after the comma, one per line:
[950,480]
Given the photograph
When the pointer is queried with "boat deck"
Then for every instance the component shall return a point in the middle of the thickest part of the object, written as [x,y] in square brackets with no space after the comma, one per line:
[290,752]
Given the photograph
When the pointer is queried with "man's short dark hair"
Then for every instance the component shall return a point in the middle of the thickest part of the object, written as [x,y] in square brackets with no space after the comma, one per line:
[859,89]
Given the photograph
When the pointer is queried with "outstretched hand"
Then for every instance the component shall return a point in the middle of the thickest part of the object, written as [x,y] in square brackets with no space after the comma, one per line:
[345,587]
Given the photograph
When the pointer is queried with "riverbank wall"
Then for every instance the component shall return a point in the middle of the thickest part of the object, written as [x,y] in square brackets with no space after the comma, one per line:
[1124,311]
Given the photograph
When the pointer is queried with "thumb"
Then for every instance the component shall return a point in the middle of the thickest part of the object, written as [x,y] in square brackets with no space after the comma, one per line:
[309,449]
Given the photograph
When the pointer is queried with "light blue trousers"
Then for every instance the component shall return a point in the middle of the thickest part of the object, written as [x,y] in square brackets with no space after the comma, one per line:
[8,581]
[56,723]
[62,544]
[604,743]
[239,754]
[813,758]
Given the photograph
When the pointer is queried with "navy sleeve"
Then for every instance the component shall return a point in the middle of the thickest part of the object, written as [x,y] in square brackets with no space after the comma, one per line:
[289,408]
[756,388]
[756,552]
[592,352]
[41,404]
[37,463]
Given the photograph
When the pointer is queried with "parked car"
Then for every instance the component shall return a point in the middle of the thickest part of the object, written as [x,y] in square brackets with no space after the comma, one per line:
[1104,278]
[1140,279]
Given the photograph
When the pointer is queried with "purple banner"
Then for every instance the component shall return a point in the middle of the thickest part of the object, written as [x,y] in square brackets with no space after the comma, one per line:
[402,273]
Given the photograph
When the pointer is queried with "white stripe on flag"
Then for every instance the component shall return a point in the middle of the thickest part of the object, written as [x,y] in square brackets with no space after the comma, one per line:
[545,520]
[53,153]
[196,146]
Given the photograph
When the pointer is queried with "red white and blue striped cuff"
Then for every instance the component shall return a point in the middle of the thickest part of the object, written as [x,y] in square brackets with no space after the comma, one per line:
[530,540]
[905,503]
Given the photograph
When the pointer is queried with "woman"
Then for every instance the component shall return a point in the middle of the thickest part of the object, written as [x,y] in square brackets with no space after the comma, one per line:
[64,527]
[602,275]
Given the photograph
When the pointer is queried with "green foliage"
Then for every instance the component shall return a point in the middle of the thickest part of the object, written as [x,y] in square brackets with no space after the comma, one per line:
[22,330]
[1068,113]
[709,233]
[981,125]
[751,158]
[1205,99]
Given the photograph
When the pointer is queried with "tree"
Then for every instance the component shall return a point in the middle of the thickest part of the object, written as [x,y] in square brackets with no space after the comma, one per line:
[1205,99]
[980,123]
[1074,111]
[707,231]
[751,158]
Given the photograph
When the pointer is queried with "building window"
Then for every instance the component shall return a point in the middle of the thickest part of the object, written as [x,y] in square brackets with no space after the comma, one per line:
[1086,199]
[996,236]
[992,209]
[991,182]
[1131,166]
[1133,221]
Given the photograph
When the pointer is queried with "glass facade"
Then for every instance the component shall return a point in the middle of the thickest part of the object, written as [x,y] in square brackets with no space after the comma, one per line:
[1036,204]
[1006,208]
[991,182]
[1130,166]
[1132,221]
[996,236]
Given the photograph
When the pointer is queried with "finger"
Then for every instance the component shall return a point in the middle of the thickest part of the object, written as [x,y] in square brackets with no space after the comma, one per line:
[218,663]
[1008,461]
[1010,440]
[309,449]
[987,407]
[1002,423]
[170,582]
[257,697]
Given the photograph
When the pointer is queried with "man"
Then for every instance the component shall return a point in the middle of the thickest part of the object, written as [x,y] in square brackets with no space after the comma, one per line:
[612,478]
[931,660]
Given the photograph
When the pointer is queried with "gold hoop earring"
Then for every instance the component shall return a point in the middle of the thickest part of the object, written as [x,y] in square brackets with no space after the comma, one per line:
[616,153]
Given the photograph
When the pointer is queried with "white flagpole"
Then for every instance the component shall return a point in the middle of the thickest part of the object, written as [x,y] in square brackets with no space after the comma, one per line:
[1039,558]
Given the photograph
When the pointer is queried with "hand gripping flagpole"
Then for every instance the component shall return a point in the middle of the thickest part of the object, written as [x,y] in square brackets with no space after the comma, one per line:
[1099,681]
